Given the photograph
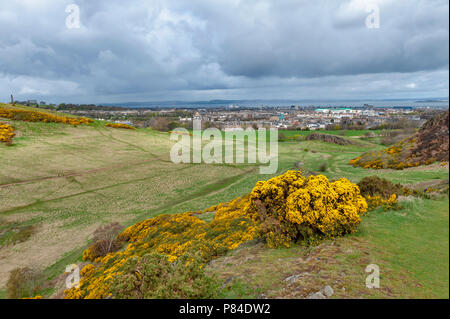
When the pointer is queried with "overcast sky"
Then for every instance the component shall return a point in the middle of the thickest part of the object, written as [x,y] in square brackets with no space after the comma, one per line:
[223,49]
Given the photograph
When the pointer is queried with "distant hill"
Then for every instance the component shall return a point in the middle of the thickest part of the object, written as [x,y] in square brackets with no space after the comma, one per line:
[428,145]
[432,140]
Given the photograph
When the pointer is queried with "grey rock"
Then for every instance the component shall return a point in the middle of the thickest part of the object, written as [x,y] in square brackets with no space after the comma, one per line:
[292,279]
[298,164]
[327,291]
[316,295]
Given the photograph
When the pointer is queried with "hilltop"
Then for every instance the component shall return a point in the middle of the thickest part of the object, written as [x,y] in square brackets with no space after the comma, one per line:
[428,145]
[432,140]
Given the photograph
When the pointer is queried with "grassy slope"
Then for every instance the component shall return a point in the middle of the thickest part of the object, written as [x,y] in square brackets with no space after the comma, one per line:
[76,178]
[410,247]
[414,241]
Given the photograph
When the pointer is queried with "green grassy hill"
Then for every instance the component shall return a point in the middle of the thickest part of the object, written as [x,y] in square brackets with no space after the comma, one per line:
[65,181]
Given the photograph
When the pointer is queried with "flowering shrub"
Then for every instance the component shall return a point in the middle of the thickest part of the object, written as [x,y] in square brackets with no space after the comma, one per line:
[397,157]
[291,208]
[387,204]
[174,236]
[6,133]
[120,125]
[381,192]
[283,209]
[35,116]
[153,276]
[374,185]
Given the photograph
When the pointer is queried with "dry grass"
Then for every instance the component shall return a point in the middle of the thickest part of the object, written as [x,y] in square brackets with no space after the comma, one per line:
[71,180]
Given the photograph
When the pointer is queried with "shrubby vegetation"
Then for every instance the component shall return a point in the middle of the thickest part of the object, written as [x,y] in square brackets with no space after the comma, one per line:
[428,145]
[120,125]
[105,241]
[12,233]
[281,210]
[387,204]
[394,157]
[35,116]
[374,185]
[292,208]
[397,124]
[22,283]
[390,137]
[172,235]
[153,276]
[381,192]
[6,133]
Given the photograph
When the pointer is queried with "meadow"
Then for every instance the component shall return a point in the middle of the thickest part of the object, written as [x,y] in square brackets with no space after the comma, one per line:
[66,181]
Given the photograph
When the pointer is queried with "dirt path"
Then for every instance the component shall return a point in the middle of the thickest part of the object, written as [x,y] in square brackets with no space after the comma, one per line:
[92,171]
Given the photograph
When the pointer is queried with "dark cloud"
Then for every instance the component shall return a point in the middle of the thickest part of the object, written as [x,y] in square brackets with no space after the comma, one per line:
[138,50]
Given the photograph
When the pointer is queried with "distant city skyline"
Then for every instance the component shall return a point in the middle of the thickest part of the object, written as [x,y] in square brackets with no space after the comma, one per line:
[430,102]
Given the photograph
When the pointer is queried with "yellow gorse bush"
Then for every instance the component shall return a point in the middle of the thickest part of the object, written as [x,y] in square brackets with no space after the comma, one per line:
[120,125]
[378,201]
[291,208]
[36,116]
[6,133]
[296,205]
[171,235]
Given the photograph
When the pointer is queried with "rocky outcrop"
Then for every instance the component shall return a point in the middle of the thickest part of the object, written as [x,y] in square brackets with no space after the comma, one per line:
[329,139]
[432,139]
[428,145]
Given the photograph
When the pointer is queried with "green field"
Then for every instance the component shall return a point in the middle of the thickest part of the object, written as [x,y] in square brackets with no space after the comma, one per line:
[66,181]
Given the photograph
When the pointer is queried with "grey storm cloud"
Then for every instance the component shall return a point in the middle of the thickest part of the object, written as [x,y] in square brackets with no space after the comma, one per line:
[131,50]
